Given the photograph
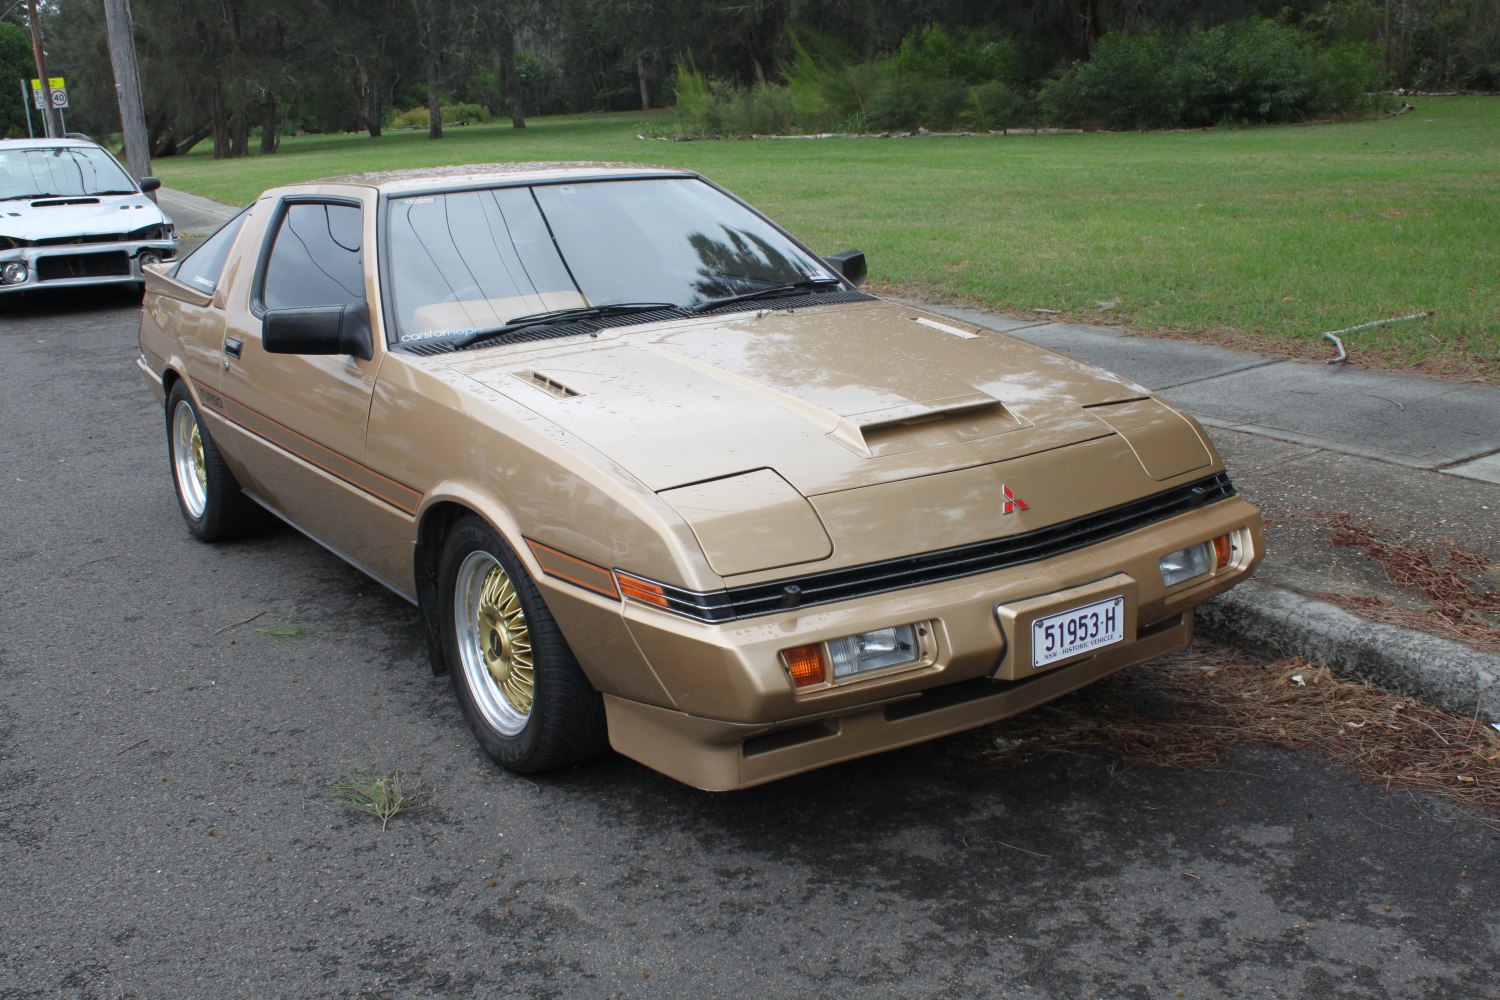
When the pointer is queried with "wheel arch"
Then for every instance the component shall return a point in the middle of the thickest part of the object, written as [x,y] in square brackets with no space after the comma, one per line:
[442,508]
[170,376]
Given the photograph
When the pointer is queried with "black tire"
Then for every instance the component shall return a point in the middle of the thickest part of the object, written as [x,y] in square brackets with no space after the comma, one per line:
[496,628]
[210,498]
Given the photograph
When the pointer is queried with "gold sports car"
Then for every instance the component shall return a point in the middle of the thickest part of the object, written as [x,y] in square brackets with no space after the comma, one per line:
[659,477]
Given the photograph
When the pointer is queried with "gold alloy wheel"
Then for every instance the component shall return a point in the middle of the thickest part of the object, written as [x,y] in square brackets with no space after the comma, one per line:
[494,643]
[199,472]
[189,467]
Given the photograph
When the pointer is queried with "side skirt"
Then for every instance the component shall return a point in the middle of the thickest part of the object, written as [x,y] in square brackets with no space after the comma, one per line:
[409,598]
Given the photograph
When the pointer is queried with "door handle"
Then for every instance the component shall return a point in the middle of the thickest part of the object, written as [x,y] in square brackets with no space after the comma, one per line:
[233,346]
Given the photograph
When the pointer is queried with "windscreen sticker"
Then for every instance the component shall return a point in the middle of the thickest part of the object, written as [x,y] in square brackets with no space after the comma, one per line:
[407,338]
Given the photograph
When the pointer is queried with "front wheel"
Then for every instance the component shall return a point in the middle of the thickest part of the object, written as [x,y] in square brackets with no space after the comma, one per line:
[209,496]
[521,690]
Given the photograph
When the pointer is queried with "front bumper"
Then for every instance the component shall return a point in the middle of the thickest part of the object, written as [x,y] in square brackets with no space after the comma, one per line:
[59,265]
[736,720]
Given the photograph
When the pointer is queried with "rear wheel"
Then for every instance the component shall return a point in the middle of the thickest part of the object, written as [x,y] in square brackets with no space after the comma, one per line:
[212,503]
[519,685]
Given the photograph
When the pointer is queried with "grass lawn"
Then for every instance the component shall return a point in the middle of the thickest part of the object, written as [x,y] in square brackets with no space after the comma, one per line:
[1264,237]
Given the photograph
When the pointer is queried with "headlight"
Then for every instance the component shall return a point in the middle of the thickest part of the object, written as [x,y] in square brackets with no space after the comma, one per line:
[884,647]
[868,652]
[1195,560]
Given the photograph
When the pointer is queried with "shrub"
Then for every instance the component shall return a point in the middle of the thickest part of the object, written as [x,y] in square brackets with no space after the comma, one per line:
[696,105]
[712,107]
[762,109]
[930,82]
[827,85]
[452,114]
[1352,80]
[1252,71]
[1129,83]
[904,101]
[992,106]
[969,56]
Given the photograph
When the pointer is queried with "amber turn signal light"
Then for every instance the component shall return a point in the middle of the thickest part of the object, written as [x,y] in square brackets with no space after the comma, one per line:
[1223,551]
[805,664]
[641,590]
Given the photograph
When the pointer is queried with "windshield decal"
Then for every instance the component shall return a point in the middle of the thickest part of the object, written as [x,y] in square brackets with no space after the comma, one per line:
[407,338]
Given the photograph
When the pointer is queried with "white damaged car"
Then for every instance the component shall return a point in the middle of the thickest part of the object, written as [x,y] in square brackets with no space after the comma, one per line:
[70,214]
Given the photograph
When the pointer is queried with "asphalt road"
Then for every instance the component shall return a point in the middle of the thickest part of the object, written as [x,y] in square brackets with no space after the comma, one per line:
[167,827]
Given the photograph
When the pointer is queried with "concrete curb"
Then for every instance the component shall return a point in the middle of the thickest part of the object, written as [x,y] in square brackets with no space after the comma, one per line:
[1277,622]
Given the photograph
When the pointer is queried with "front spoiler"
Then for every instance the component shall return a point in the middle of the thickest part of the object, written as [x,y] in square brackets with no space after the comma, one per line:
[719,756]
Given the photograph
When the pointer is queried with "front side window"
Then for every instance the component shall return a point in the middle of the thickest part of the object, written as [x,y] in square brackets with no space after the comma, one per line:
[316,257]
[473,260]
[64,171]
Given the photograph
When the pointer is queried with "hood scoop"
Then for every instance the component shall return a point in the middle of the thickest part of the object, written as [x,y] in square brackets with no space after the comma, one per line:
[932,424]
[55,202]
[548,384]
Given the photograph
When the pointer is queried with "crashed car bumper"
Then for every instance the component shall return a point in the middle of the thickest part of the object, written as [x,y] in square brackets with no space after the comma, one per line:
[55,266]
[737,719]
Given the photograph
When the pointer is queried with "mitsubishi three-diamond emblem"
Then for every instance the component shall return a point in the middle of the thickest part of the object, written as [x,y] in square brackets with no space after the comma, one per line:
[1013,503]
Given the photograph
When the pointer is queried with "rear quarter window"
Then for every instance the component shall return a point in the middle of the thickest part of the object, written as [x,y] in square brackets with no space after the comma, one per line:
[201,269]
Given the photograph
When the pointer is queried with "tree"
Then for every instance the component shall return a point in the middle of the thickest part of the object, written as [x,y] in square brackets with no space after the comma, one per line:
[360,47]
[15,64]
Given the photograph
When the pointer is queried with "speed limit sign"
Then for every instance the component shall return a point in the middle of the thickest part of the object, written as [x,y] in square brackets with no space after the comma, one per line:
[59,92]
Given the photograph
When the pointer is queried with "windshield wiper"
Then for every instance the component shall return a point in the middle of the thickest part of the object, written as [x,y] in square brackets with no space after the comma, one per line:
[518,323]
[774,291]
[31,197]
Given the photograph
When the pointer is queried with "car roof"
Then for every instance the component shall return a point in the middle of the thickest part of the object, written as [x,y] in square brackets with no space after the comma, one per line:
[462,175]
[47,144]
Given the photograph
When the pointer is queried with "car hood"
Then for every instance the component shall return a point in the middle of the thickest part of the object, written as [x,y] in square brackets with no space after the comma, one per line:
[78,215]
[832,398]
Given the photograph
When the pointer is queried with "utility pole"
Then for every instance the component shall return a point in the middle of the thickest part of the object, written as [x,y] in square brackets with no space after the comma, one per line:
[49,114]
[128,86]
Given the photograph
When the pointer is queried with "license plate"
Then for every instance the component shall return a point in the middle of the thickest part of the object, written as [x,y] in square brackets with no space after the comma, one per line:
[1081,630]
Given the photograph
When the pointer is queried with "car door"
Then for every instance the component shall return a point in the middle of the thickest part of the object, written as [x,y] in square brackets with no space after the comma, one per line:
[305,416]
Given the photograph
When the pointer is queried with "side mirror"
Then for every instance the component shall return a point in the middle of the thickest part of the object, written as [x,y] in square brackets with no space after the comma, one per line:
[851,264]
[149,184]
[318,330]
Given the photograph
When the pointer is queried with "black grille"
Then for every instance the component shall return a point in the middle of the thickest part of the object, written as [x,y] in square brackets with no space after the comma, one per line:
[793,301]
[428,348]
[83,265]
[945,564]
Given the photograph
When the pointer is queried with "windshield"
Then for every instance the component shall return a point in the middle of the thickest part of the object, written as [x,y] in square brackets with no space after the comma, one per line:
[472,260]
[65,171]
